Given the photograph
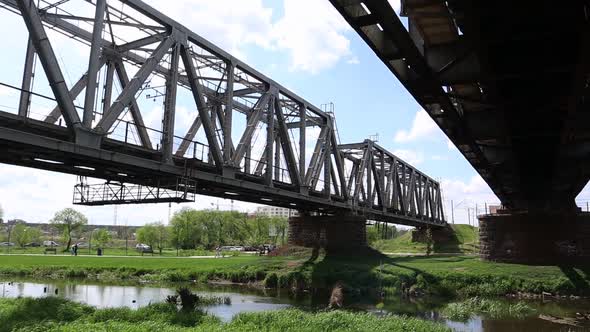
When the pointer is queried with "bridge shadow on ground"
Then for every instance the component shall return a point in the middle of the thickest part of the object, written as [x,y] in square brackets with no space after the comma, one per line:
[369,273]
[578,276]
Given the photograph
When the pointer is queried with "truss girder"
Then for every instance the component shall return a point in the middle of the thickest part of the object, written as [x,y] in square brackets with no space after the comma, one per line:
[397,186]
[379,184]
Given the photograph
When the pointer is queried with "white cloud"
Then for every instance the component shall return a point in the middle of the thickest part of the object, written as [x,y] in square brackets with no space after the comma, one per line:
[314,39]
[410,156]
[229,24]
[353,60]
[6,91]
[422,127]
[466,197]
[312,32]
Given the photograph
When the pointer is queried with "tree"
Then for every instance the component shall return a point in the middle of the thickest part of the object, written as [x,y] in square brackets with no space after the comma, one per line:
[68,221]
[20,234]
[1,214]
[154,235]
[101,238]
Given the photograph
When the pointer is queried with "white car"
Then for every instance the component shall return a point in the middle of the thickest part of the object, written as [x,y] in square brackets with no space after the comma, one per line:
[6,244]
[50,244]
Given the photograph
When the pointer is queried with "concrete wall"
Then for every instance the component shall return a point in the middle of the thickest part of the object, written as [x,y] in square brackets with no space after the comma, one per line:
[548,238]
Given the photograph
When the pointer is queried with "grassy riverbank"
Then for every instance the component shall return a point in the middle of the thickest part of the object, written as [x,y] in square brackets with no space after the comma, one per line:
[54,314]
[465,240]
[440,275]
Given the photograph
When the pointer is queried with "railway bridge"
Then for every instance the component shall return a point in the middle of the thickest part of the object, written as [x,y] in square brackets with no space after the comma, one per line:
[508,83]
[249,138]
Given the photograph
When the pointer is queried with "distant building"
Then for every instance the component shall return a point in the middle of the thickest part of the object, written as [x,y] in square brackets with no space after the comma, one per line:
[273,211]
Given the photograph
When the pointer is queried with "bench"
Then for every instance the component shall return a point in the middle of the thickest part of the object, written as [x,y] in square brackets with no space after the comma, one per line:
[54,250]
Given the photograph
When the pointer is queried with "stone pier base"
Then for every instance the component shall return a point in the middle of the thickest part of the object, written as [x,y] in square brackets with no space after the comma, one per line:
[338,233]
[535,238]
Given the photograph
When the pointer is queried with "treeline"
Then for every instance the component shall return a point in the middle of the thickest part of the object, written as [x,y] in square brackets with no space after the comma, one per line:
[208,229]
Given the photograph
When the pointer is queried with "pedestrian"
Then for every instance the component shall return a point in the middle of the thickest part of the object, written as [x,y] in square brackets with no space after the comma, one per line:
[75,249]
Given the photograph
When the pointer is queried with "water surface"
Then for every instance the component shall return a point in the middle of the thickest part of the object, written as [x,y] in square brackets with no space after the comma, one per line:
[244,299]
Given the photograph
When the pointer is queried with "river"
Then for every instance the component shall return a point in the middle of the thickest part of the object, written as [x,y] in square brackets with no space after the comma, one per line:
[245,299]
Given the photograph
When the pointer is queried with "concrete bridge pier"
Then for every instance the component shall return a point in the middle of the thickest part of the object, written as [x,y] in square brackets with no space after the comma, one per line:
[535,237]
[343,232]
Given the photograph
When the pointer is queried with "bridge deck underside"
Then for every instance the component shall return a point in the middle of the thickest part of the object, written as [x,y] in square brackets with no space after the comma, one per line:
[506,81]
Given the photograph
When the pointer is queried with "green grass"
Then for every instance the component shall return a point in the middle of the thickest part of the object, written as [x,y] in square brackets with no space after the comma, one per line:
[466,241]
[462,311]
[53,314]
[237,269]
[437,275]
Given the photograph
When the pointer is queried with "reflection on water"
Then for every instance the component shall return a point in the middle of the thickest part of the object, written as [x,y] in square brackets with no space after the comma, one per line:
[251,300]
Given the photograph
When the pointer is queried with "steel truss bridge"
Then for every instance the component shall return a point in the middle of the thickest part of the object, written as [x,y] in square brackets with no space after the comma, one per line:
[507,81]
[249,139]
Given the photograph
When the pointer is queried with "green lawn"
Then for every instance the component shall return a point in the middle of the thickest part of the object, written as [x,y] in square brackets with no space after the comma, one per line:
[466,241]
[442,275]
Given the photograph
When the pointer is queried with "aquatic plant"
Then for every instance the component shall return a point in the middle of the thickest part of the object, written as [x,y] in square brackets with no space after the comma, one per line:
[462,311]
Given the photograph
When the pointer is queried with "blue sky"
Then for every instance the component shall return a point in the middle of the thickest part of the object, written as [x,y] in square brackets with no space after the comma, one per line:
[302,44]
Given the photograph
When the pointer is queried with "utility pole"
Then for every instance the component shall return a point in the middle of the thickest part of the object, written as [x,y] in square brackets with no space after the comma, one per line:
[469,216]
[126,238]
[452,212]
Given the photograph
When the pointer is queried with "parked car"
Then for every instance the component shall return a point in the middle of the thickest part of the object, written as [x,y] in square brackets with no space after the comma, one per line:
[144,248]
[50,244]
[82,244]
[141,246]
[33,244]
[6,244]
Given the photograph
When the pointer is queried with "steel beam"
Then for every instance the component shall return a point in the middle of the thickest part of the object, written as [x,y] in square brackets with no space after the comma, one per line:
[190,135]
[74,92]
[108,87]
[283,133]
[228,145]
[133,107]
[198,95]
[93,64]
[129,91]
[25,95]
[49,62]
[252,123]
[170,106]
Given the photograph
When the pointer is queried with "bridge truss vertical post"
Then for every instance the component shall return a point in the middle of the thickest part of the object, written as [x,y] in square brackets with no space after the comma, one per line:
[270,131]
[227,120]
[170,106]
[108,87]
[25,95]
[93,64]
[302,147]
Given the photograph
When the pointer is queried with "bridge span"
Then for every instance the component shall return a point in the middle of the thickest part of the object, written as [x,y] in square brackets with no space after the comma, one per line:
[507,82]
[249,139]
